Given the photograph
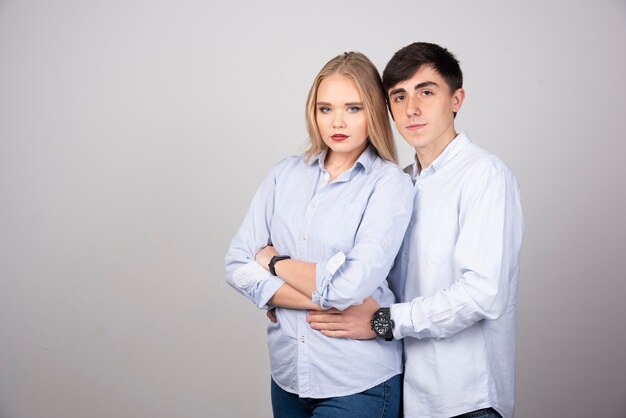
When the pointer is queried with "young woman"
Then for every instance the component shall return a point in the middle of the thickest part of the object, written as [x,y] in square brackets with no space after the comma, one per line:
[322,232]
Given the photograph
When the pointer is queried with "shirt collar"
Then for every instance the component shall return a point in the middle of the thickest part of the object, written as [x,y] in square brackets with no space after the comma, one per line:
[365,160]
[452,149]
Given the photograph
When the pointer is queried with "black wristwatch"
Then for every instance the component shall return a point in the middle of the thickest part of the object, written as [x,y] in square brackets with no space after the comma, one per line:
[382,324]
[275,260]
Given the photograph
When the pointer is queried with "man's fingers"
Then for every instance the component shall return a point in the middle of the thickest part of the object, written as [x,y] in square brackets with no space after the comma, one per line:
[335,334]
[271,314]
[323,316]
[324,312]
[326,326]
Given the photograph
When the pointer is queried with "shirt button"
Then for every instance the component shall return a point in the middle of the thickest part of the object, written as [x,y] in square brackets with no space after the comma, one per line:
[302,339]
[314,205]
[303,237]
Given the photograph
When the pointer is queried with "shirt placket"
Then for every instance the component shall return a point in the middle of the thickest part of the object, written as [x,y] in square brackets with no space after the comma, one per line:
[304,361]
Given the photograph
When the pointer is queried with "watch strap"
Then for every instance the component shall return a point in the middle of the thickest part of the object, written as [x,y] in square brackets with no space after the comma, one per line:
[275,260]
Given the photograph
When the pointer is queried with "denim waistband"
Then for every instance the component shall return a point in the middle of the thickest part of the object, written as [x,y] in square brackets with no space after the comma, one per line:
[477,413]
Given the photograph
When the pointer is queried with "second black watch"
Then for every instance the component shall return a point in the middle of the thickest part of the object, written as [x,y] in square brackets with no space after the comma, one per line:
[275,260]
[382,324]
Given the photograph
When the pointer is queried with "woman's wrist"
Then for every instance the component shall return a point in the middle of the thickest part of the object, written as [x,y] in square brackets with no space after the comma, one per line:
[264,256]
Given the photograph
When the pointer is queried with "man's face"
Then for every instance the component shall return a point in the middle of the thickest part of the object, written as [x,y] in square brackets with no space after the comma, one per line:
[423,109]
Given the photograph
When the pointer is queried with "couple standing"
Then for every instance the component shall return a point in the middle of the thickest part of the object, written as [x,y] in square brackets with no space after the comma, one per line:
[390,292]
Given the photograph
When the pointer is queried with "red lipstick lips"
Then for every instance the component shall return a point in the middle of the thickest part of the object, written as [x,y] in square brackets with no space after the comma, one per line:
[339,137]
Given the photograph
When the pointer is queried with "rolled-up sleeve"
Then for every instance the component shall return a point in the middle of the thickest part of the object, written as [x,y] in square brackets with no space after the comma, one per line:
[242,271]
[347,279]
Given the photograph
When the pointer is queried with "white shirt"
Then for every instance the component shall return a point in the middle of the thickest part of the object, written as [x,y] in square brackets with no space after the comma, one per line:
[457,276]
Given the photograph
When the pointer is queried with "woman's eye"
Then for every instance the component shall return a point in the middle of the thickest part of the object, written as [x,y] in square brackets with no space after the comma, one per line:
[324,109]
[354,109]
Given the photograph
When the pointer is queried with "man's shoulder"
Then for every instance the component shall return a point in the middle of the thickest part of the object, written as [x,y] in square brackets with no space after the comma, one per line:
[473,158]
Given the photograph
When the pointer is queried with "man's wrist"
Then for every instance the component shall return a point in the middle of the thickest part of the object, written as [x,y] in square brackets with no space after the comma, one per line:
[382,324]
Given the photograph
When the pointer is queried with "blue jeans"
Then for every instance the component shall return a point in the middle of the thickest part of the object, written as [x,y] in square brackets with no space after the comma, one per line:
[482,413]
[382,401]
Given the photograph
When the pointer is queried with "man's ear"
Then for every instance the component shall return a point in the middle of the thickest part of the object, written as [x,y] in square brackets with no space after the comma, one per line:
[457,99]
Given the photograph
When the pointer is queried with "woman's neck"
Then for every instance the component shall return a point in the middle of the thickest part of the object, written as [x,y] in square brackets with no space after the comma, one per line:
[338,163]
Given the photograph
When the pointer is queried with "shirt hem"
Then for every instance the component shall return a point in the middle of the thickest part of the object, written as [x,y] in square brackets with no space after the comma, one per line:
[337,394]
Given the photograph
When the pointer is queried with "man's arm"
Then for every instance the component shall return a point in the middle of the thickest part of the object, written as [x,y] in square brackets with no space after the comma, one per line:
[353,322]
[485,257]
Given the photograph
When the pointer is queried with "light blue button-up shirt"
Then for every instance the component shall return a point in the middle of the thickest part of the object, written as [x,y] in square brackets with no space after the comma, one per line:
[352,228]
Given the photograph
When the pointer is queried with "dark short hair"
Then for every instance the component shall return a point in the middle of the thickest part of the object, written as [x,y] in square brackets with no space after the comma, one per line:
[411,58]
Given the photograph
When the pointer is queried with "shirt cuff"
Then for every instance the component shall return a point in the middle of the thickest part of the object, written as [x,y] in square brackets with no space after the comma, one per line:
[250,274]
[267,289]
[324,272]
[259,284]
[401,316]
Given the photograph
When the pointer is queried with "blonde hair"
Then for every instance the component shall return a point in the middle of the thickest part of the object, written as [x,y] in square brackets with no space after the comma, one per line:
[360,69]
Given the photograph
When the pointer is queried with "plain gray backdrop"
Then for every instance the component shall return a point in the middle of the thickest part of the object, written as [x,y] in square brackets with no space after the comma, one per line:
[133,134]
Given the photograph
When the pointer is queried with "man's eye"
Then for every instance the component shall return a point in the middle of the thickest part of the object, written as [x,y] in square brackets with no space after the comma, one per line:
[427,93]
[398,98]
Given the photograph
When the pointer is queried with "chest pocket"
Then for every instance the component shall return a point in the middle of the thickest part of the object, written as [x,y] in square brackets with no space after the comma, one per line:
[438,230]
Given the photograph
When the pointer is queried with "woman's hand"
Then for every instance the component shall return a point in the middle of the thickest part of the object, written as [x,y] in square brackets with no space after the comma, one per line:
[264,256]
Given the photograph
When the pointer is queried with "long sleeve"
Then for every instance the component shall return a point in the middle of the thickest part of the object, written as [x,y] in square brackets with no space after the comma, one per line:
[310,219]
[484,258]
[242,272]
[347,279]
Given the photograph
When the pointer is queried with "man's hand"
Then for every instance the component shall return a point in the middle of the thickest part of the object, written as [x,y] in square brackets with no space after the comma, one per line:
[264,256]
[271,314]
[353,323]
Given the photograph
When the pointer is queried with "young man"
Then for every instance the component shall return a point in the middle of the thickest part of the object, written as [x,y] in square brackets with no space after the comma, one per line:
[456,274]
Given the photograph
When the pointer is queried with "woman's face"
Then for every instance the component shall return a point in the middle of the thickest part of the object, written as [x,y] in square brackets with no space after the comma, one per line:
[340,116]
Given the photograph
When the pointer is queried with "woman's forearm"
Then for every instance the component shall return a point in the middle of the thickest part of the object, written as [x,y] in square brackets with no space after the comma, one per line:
[288,297]
[300,275]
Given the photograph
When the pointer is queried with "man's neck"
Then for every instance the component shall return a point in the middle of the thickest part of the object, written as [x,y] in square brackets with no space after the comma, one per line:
[425,156]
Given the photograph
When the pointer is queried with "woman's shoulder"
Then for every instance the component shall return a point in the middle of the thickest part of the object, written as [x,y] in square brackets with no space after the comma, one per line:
[296,162]
[390,171]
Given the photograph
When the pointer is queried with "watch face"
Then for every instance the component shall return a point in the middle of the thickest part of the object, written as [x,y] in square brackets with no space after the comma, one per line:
[381,325]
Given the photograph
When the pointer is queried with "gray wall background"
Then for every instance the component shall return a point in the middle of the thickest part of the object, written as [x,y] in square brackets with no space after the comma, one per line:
[133,134]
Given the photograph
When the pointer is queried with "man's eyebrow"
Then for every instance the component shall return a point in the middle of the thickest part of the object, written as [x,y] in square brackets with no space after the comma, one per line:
[425,84]
[417,87]
[396,91]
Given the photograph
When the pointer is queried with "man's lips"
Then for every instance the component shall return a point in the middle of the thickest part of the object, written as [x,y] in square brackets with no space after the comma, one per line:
[415,126]
[339,137]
